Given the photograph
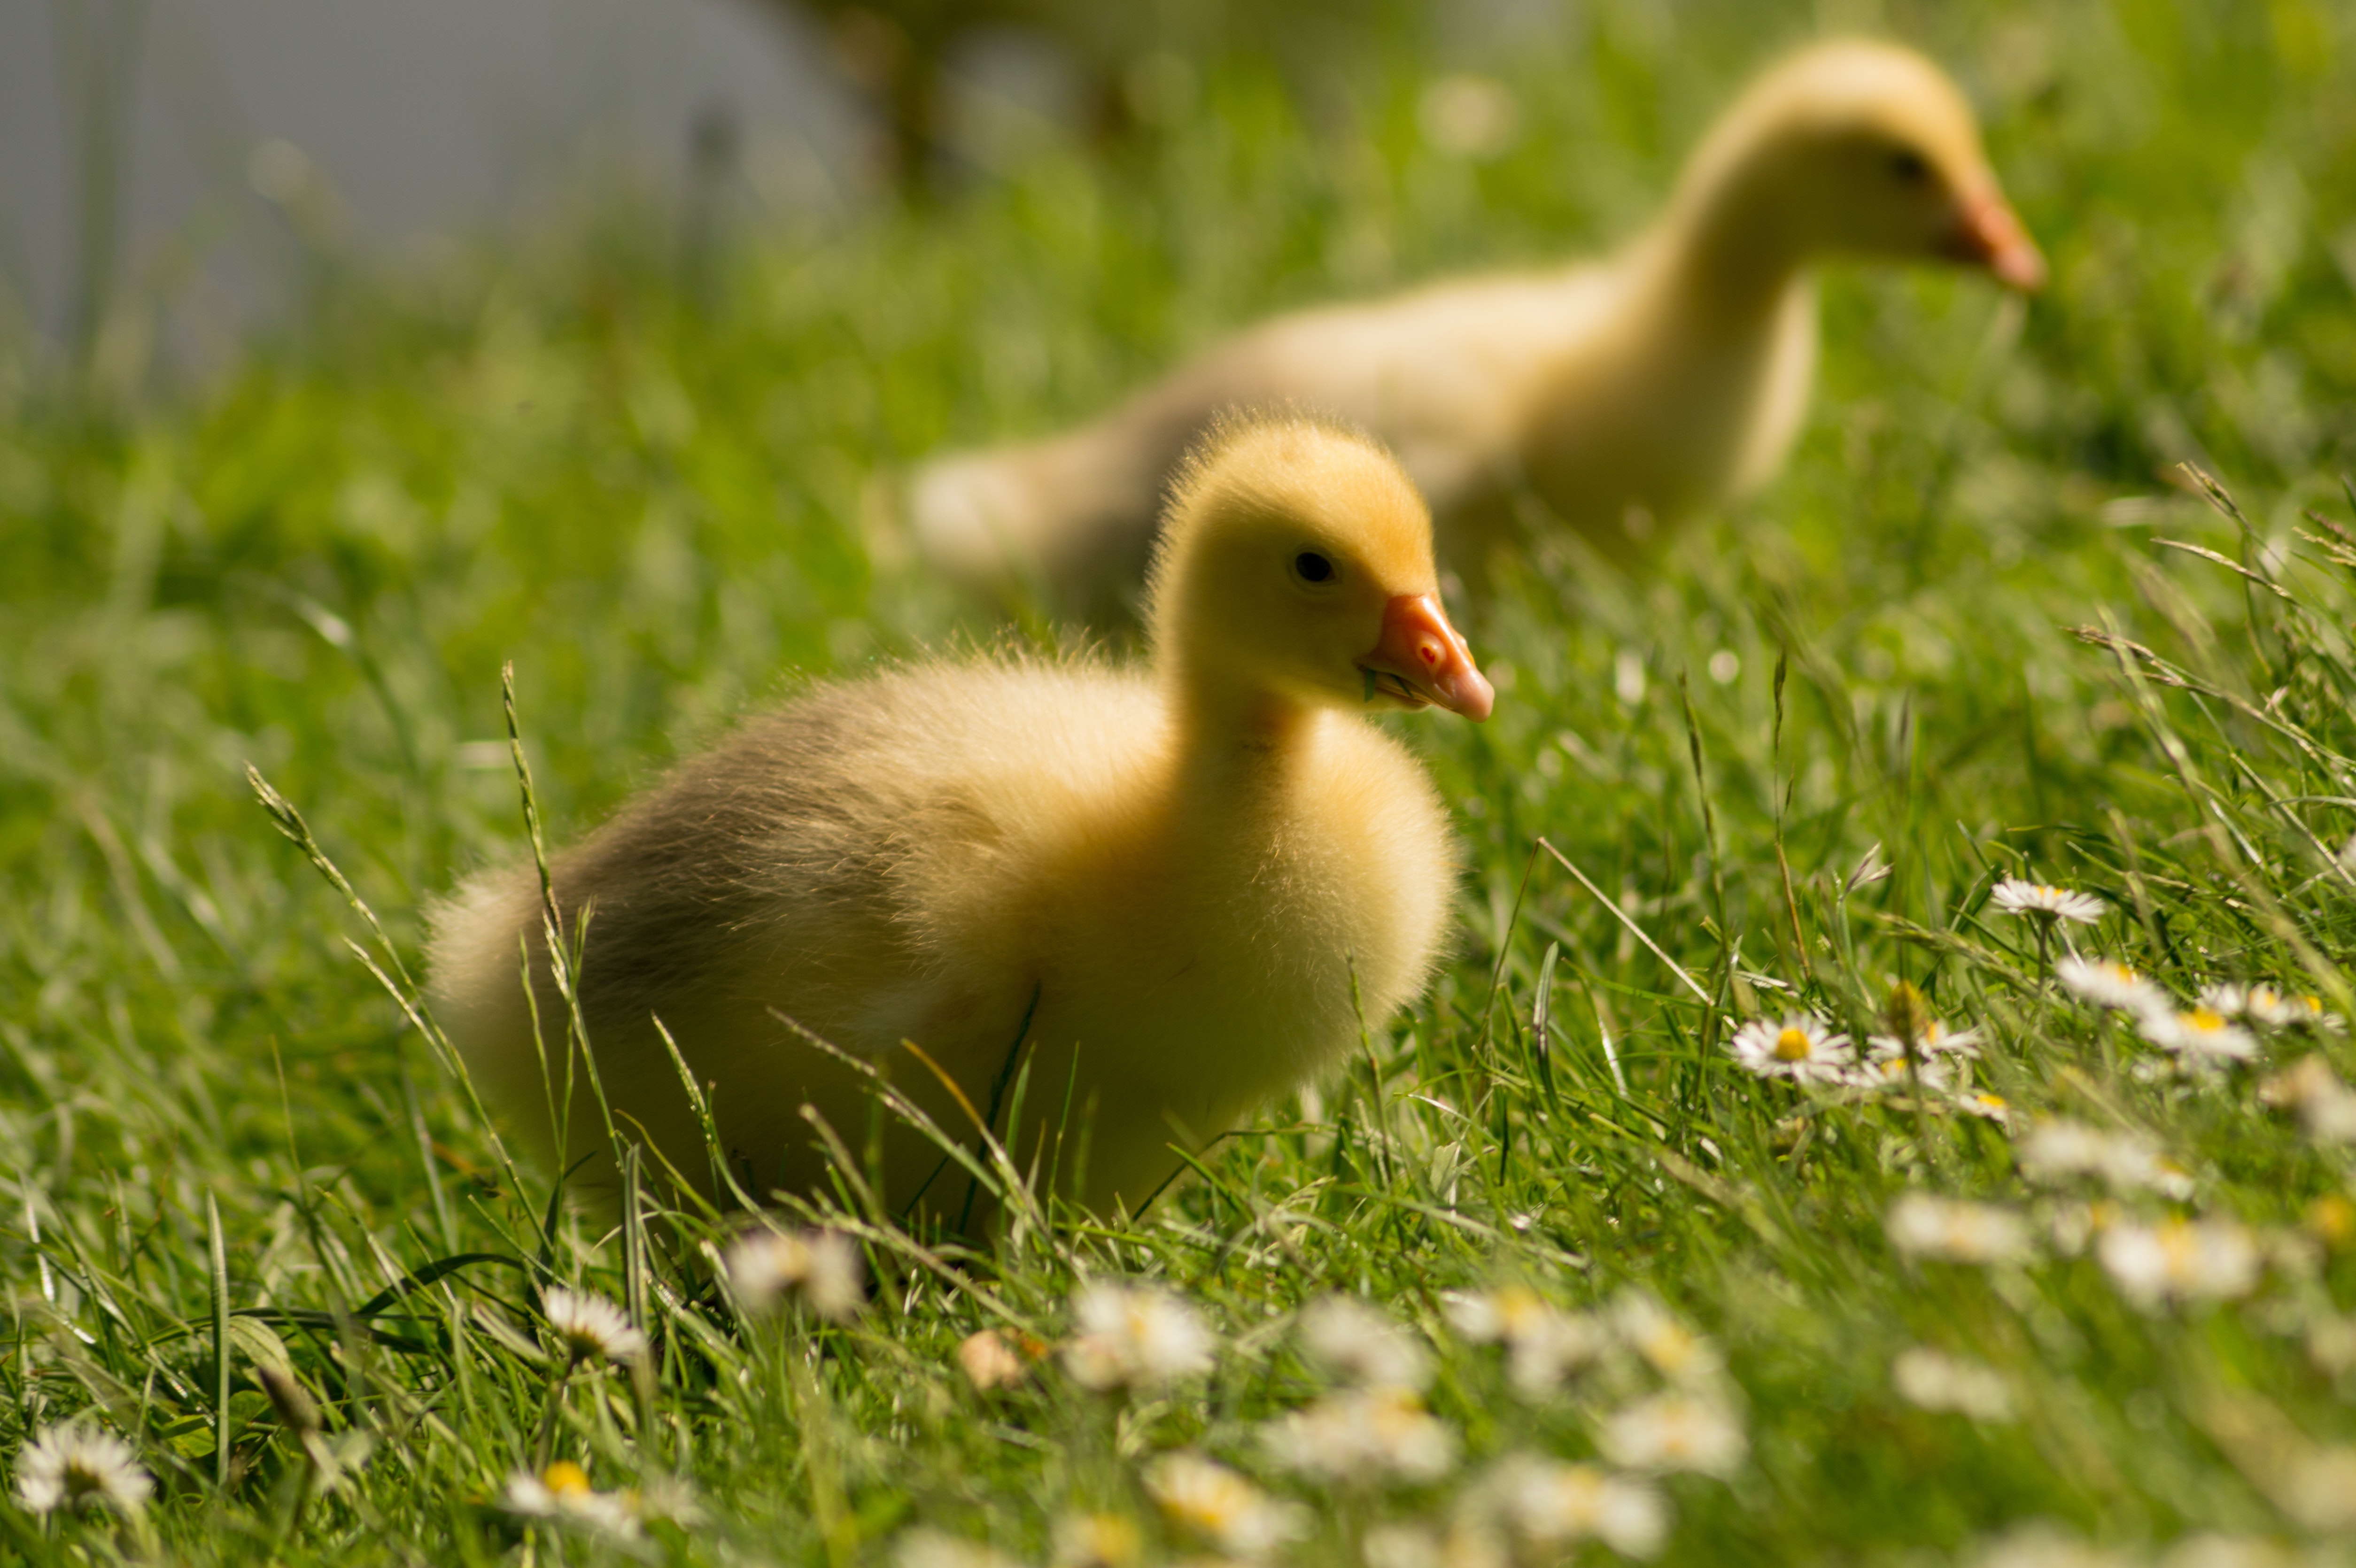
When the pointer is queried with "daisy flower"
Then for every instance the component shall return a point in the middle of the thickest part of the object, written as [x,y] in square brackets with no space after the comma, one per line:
[589,1327]
[1399,1546]
[821,1269]
[1544,1344]
[1884,1067]
[2266,1006]
[926,1547]
[2324,1106]
[1553,1503]
[2108,983]
[2322,1492]
[1359,1345]
[2060,1150]
[1985,1105]
[2197,1037]
[1923,1225]
[1363,1432]
[562,1493]
[1932,1380]
[2041,1545]
[1936,1039]
[2179,1260]
[1208,1500]
[2015,896]
[1097,1541]
[1135,1337]
[1800,1048]
[1470,1542]
[998,1358]
[78,1467]
[1674,1432]
[1674,1351]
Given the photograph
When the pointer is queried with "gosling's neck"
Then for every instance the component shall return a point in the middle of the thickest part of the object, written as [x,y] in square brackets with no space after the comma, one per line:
[1232,734]
[1724,258]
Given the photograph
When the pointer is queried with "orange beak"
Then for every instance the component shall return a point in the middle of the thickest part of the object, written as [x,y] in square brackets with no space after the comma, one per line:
[1420,659]
[1987,234]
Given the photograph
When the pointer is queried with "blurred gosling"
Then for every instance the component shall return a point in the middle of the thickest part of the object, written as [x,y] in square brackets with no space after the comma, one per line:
[1627,394]
[1175,888]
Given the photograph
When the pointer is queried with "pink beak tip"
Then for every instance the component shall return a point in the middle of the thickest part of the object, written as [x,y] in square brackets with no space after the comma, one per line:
[1475,697]
[1419,647]
[2020,266]
[1991,235]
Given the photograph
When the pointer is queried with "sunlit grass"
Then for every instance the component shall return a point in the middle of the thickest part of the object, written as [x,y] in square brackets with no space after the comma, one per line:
[1959,642]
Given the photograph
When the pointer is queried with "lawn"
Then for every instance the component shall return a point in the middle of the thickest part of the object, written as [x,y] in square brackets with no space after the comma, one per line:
[1641,1300]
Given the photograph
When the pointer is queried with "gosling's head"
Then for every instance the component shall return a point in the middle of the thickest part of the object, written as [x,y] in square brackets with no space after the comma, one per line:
[1295,562]
[1864,149]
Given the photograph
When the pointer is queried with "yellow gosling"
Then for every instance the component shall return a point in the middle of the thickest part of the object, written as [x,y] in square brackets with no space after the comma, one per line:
[1175,887]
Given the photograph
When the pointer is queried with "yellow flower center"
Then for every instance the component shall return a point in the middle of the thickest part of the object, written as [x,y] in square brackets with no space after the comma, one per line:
[565,1478]
[1791,1045]
[1993,1102]
[2205,1021]
[1520,1309]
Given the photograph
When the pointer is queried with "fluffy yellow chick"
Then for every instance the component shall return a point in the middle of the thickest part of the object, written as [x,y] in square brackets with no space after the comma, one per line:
[1156,887]
[1627,394]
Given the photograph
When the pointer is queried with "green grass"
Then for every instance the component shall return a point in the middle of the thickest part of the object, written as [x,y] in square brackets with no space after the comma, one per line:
[663,507]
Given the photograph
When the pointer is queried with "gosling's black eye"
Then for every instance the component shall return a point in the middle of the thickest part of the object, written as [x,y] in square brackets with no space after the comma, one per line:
[1909,166]
[1312,567]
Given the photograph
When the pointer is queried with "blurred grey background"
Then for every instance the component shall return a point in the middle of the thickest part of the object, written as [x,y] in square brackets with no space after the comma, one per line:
[188,144]
[199,151]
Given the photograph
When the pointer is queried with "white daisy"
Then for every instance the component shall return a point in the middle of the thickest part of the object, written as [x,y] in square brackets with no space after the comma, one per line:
[2268,1007]
[2016,896]
[2179,1260]
[1936,1039]
[2041,1545]
[1674,1351]
[2059,1151]
[1135,1337]
[76,1467]
[1799,1047]
[1932,1380]
[2197,1037]
[1674,1432]
[1359,1434]
[562,1493]
[1470,1543]
[1208,1500]
[2324,1106]
[1884,1067]
[1098,1541]
[925,1547]
[1544,1344]
[998,1358]
[2108,983]
[1923,1225]
[821,1269]
[1987,1104]
[590,1326]
[2322,1489]
[1551,1503]
[1359,1345]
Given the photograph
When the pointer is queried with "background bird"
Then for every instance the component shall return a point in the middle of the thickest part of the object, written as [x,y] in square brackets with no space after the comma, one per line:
[1173,891]
[1621,397]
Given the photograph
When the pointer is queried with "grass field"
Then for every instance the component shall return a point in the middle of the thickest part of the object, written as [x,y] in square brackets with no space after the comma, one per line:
[664,494]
